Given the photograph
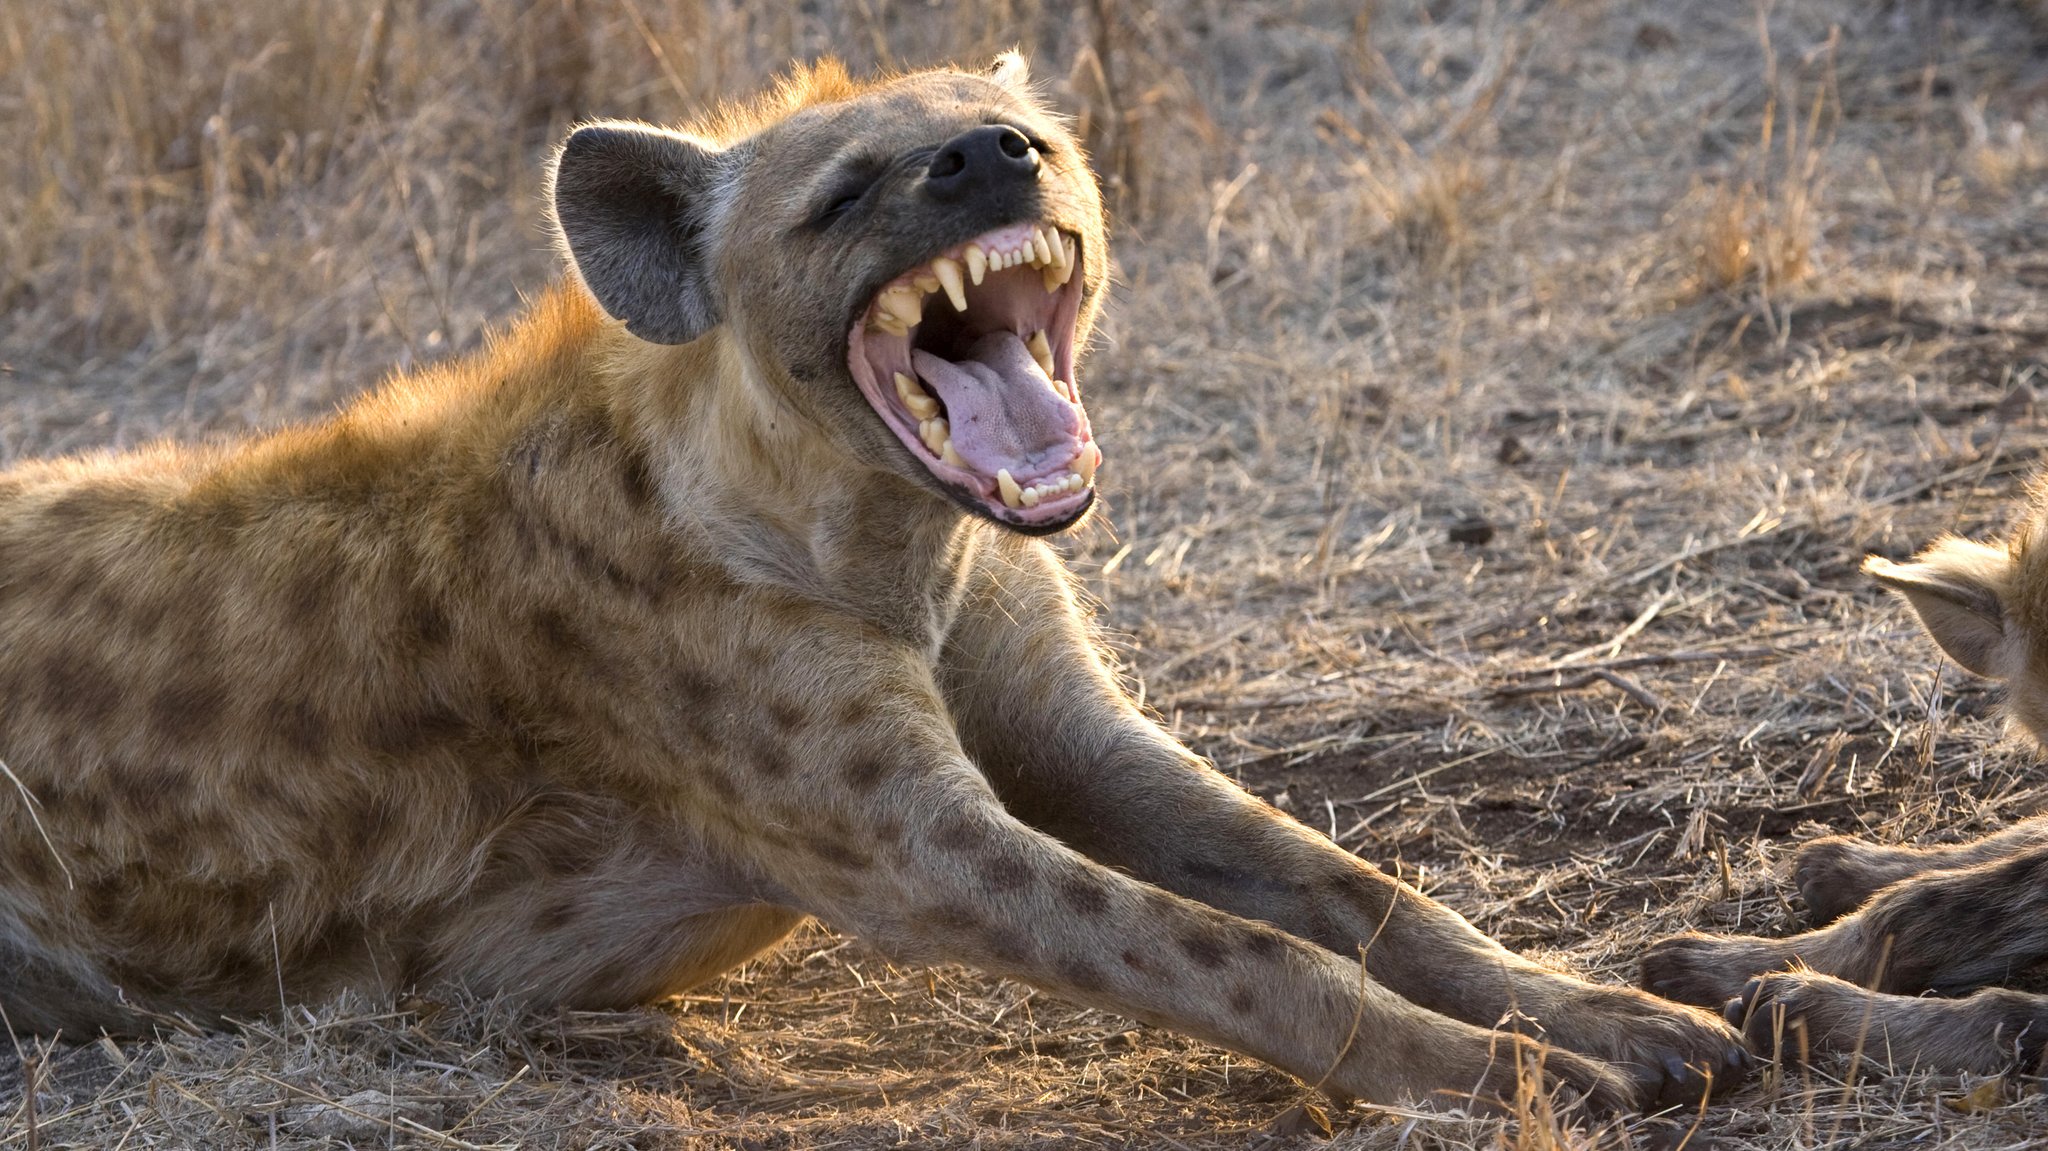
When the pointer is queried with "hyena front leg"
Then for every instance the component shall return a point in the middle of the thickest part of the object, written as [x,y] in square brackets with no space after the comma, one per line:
[1791,1015]
[1069,753]
[1947,931]
[885,829]
[1838,874]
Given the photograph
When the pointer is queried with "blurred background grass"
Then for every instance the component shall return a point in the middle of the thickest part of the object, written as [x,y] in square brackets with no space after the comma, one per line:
[1498,397]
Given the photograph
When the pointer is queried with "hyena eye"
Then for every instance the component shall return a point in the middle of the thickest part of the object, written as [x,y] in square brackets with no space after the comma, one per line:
[842,199]
[839,206]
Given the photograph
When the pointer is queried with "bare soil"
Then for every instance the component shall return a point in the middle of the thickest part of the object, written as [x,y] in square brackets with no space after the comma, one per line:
[1499,397]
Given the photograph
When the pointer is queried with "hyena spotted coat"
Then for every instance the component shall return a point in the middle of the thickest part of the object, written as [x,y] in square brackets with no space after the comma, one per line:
[707,598]
[1894,922]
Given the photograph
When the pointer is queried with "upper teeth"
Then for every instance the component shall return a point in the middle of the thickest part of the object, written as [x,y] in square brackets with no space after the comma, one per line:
[900,307]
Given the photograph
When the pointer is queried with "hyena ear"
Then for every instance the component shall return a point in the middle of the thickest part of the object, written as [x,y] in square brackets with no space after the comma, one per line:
[634,205]
[1011,71]
[1954,587]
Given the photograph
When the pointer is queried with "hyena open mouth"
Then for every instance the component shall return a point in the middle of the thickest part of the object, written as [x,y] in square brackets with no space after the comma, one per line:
[979,384]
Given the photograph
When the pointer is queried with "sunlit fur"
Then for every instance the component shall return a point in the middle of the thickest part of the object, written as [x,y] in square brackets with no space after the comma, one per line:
[580,669]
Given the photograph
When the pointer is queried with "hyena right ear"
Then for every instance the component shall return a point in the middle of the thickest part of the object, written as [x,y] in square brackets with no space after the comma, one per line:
[1955,588]
[635,205]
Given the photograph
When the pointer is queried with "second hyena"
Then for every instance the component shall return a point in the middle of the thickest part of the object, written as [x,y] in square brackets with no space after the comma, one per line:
[1894,922]
[708,598]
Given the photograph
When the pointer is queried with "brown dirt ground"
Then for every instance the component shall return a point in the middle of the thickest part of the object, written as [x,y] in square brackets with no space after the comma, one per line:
[1499,398]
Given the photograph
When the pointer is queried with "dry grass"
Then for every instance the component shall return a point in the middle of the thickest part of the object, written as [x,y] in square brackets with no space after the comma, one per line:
[1671,311]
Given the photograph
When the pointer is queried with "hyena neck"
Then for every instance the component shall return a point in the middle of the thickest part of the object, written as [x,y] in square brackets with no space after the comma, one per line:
[755,488]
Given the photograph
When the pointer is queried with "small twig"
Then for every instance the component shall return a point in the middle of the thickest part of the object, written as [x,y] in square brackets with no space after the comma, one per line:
[28,800]
[1624,684]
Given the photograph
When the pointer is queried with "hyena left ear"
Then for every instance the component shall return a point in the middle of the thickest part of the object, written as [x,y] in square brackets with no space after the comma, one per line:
[1011,71]
[1955,588]
[635,205]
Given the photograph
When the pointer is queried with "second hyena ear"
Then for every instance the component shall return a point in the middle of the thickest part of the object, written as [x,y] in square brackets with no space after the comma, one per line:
[634,206]
[1956,587]
[1012,71]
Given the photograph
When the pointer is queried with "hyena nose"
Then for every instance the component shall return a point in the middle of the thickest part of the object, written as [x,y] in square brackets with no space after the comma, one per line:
[981,158]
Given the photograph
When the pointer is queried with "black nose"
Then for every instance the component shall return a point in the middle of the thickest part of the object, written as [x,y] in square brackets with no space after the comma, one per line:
[979,159]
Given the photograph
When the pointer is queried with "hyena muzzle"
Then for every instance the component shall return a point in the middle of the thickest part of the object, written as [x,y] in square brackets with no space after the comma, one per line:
[706,599]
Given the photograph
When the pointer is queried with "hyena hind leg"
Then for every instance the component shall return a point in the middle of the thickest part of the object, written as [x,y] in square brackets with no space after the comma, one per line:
[1946,931]
[1839,874]
[1795,1015]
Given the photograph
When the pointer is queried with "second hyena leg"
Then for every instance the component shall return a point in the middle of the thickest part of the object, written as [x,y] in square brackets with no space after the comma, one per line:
[1070,754]
[1947,931]
[1795,1014]
[1838,874]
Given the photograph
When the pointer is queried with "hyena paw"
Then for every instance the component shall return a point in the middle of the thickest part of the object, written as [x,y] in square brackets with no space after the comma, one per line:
[1707,970]
[1837,875]
[1790,1016]
[1673,1055]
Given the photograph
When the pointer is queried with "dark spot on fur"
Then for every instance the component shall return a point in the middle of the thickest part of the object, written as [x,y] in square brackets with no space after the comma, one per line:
[956,832]
[1204,948]
[722,783]
[693,689]
[949,919]
[426,623]
[1262,942]
[402,732]
[1243,1000]
[1134,961]
[1006,943]
[310,595]
[1081,975]
[298,725]
[185,710]
[772,759]
[840,853]
[1003,870]
[78,687]
[636,481]
[556,915]
[864,773]
[854,712]
[1085,894]
[787,716]
[556,632]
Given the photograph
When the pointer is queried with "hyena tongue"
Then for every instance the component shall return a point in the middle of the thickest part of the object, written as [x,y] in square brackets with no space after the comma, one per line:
[1002,409]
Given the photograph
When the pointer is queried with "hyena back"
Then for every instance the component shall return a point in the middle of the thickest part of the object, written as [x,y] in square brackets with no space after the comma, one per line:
[707,598]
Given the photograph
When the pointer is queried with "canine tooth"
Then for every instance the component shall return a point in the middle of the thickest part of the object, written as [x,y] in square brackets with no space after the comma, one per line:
[1086,461]
[1039,248]
[914,397]
[1061,269]
[1041,351]
[948,274]
[977,262]
[1013,496]
[949,456]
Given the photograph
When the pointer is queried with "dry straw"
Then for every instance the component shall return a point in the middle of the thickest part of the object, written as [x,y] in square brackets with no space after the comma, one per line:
[1671,311]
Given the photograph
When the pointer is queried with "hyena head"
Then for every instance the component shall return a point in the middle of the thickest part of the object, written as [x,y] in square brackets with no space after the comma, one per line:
[1987,606]
[914,266]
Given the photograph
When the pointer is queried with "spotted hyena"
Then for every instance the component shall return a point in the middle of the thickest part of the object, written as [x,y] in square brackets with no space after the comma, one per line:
[1894,922]
[709,597]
